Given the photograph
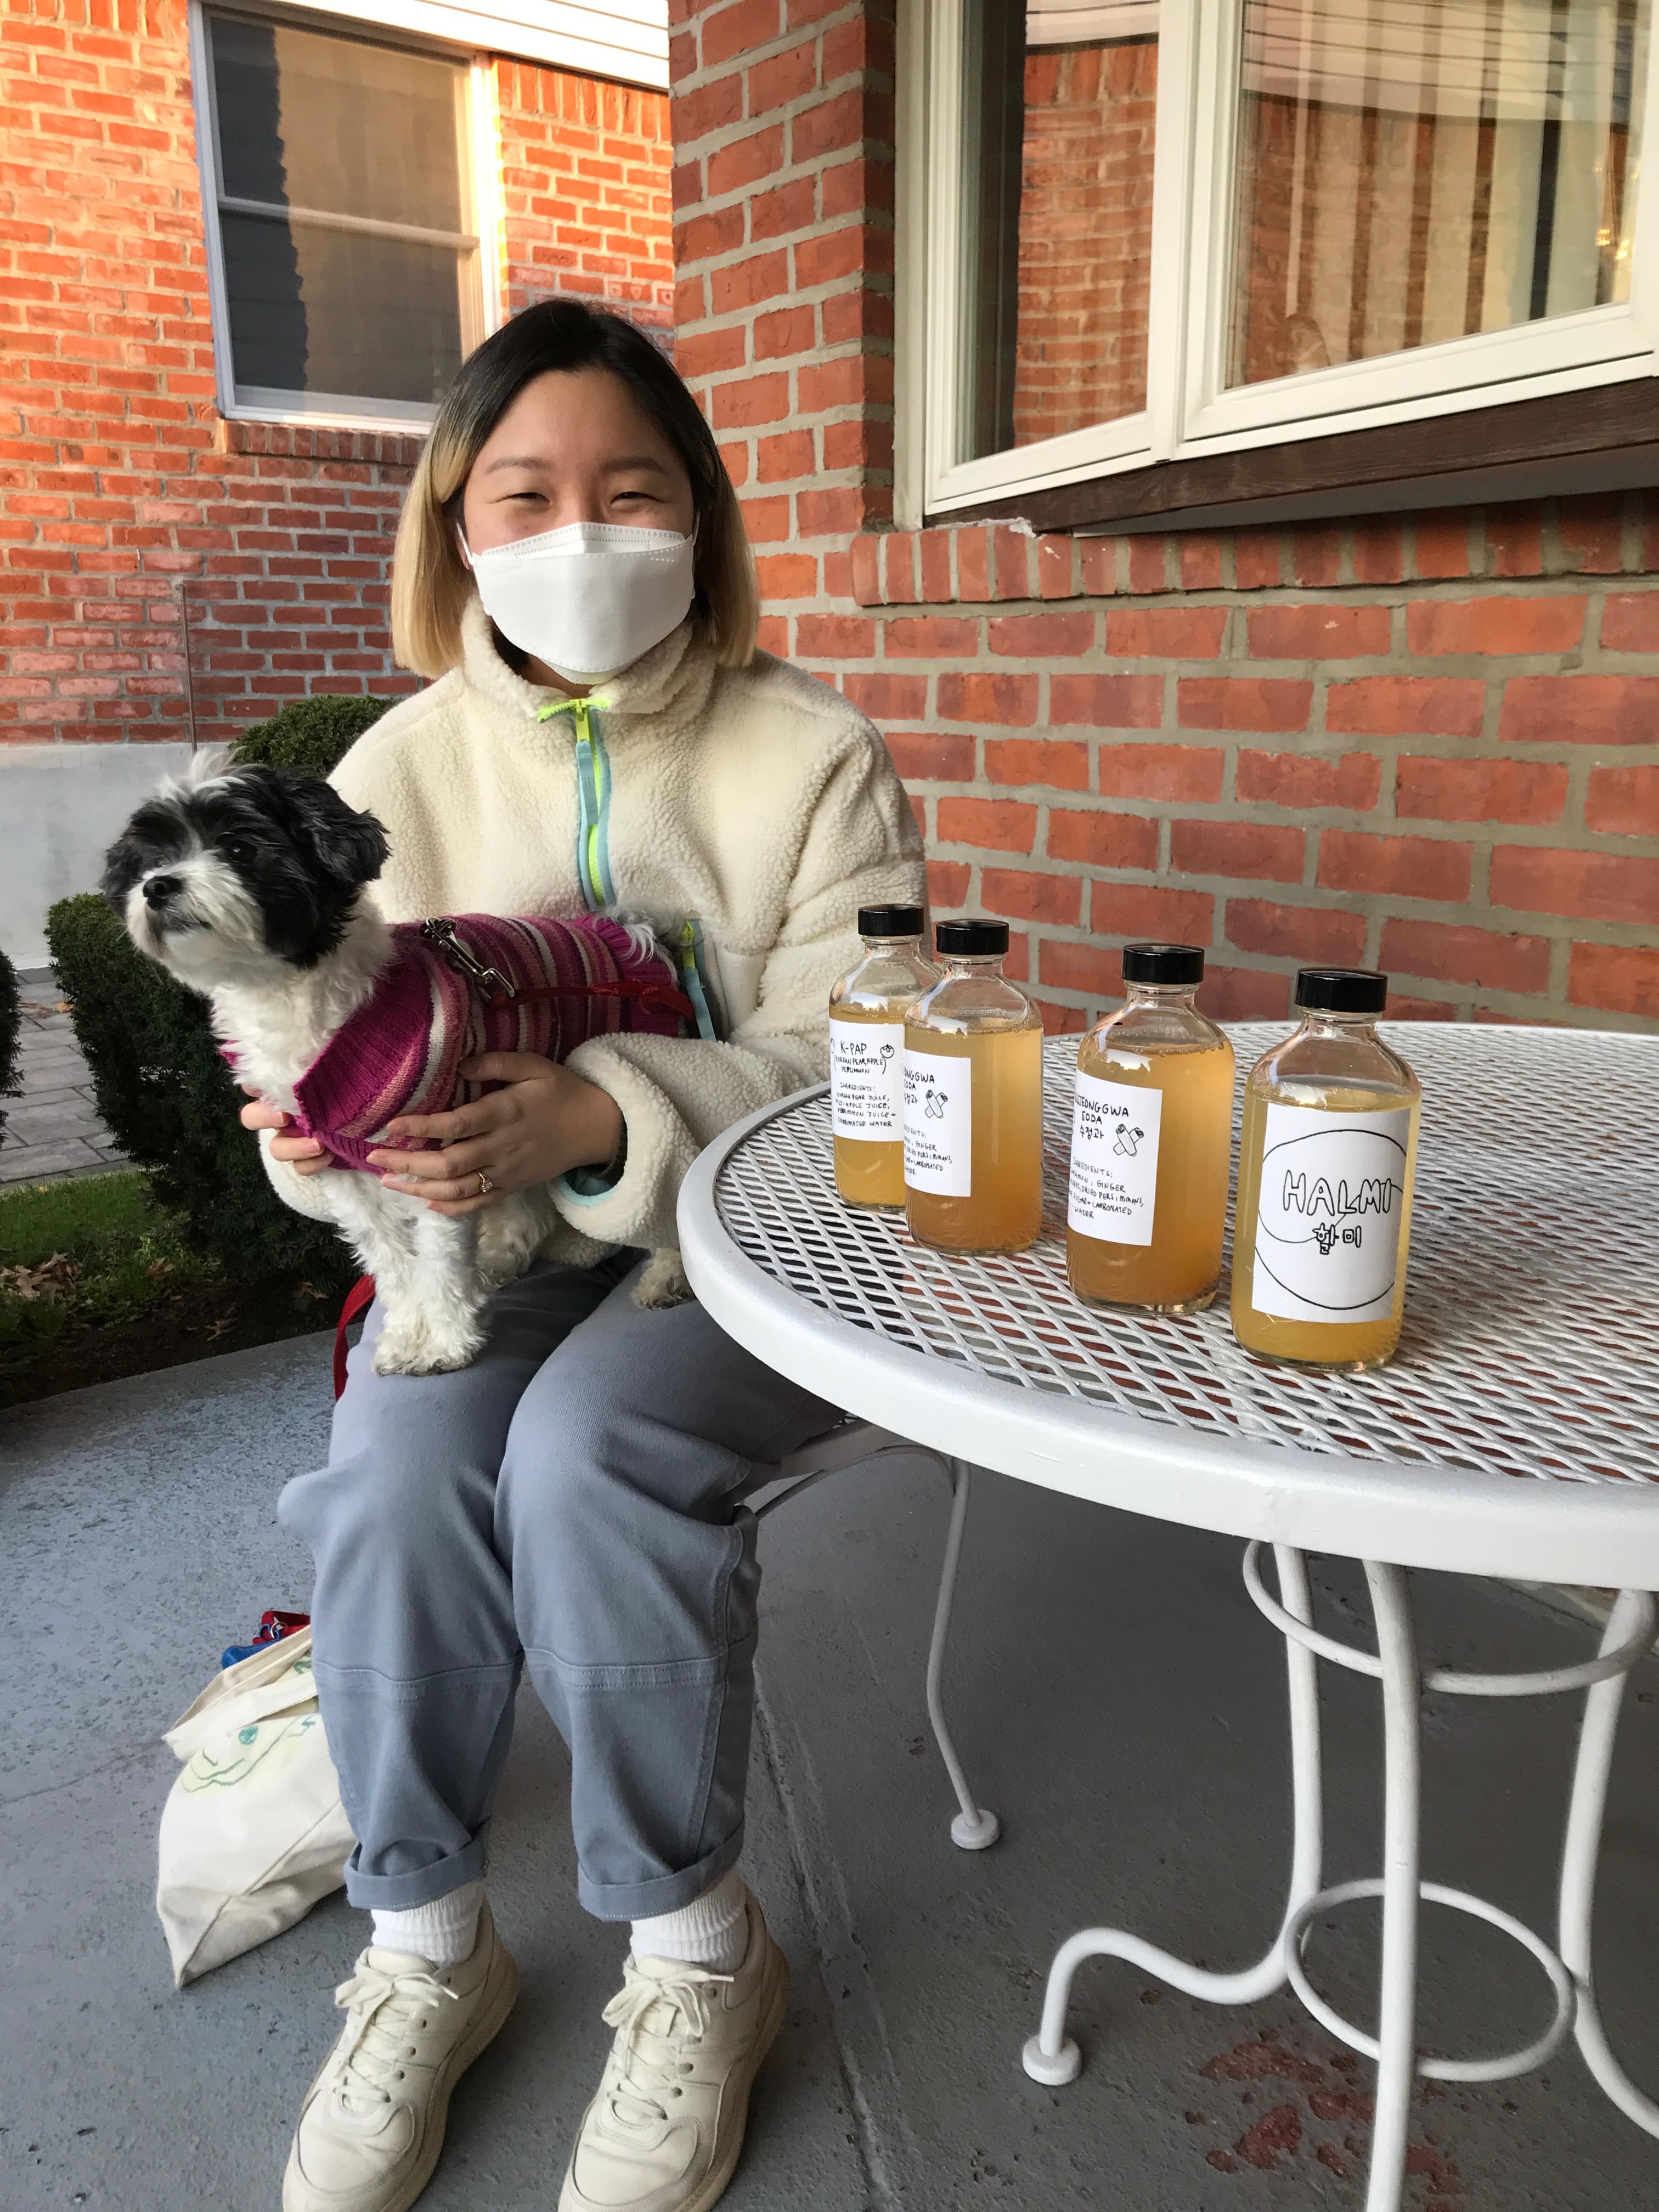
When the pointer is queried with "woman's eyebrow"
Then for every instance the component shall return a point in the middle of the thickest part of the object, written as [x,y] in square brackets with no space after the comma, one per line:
[636,461]
[516,461]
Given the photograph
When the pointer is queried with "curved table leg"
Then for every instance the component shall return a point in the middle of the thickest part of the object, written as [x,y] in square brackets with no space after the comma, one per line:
[1396,1634]
[974,1828]
[1586,1811]
[1051,2056]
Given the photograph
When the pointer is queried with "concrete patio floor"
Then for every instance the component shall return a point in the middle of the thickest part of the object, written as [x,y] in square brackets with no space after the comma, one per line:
[1119,1703]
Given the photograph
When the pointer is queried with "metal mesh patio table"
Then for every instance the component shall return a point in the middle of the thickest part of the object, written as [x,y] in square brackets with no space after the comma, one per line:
[1516,1433]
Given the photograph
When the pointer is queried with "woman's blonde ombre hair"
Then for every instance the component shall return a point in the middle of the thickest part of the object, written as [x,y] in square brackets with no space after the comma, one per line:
[430,582]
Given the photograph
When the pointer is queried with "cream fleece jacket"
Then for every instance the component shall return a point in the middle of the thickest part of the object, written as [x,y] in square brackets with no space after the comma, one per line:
[756,801]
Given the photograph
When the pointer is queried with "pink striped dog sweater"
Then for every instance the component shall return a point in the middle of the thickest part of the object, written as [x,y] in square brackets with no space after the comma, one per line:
[401,1052]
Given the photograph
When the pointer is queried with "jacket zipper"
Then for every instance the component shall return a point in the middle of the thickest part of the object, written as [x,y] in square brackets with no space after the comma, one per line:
[593,792]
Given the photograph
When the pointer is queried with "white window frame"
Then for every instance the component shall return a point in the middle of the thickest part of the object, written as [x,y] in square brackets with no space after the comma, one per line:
[243,403]
[1191,410]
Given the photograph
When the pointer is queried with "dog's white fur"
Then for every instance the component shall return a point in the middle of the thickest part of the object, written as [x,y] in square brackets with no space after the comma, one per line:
[432,1271]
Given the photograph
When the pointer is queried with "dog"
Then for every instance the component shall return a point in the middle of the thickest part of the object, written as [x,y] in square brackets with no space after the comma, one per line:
[250,886]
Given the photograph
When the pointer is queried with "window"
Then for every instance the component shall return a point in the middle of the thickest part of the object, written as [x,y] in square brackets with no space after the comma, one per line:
[1145,230]
[345,246]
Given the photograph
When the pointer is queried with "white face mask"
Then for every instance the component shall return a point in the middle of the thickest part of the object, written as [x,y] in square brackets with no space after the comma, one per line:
[588,599]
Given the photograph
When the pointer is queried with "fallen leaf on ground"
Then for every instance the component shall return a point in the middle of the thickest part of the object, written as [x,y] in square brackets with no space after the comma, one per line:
[51,1279]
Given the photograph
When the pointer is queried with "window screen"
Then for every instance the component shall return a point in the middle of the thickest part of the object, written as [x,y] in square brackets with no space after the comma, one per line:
[351,257]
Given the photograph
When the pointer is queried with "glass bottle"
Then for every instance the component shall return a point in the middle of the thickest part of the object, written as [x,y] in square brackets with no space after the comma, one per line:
[866,1054]
[1326,1164]
[973,1101]
[1152,1143]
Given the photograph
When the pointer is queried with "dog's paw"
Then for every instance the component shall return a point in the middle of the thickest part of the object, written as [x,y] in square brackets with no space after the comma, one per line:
[413,1348]
[662,1280]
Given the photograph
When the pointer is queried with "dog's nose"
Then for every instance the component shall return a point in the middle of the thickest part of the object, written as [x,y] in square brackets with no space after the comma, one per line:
[158,890]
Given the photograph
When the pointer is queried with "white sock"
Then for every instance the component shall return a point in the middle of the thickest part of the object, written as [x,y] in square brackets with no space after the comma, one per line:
[444,1931]
[712,1931]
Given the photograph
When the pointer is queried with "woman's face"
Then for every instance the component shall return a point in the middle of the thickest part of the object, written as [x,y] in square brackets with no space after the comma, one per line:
[574,447]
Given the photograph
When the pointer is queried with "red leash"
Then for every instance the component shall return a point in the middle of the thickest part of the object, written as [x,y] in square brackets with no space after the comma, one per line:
[358,1299]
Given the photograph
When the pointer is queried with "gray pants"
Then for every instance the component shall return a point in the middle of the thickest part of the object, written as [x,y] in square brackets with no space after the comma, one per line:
[573,1500]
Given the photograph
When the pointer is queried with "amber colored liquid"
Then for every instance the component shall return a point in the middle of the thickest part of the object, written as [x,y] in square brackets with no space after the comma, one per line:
[1003,1210]
[1351,1345]
[869,1174]
[1178,1271]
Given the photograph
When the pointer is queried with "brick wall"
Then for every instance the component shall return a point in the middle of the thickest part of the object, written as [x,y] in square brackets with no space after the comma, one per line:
[1429,743]
[167,573]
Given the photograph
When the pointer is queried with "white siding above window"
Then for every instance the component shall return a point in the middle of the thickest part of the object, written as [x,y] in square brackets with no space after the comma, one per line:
[627,39]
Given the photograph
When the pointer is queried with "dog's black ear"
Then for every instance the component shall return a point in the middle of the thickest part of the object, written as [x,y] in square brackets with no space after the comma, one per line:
[351,846]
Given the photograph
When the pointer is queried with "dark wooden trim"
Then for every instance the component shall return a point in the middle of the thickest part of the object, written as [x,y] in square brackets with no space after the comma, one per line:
[1604,420]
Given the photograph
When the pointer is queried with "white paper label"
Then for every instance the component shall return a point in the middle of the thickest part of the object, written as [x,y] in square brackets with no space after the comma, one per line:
[1115,1130]
[938,1123]
[867,1080]
[1330,1213]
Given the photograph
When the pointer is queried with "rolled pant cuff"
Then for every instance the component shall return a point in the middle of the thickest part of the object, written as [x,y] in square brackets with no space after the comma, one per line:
[644,1900]
[401,1892]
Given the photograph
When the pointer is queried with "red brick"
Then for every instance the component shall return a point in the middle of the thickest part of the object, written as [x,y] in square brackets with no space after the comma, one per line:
[787,575]
[1149,910]
[1244,994]
[1508,626]
[1379,555]
[1588,886]
[866,571]
[1098,558]
[941,635]
[1012,552]
[1442,545]
[947,885]
[1031,895]
[1532,791]
[1257,559]
[1005,825]
[1317,935]
[1316,554]
[1237,849]
[1591,530]
[887,698]
[1580,710]
[767,520]
[1244,702]
[783,77]
[745,161]
[1057,763]
[1131,771]
[935,564]
[973,565]
[1317,633]
[1624,979]
[750,400]
[1149,564]
[1309,779]
[1057,567]
[1630,622]
[1089,967]
[851,637]
[738,29]
[1401,867]
[1401,706]
[898,567]
[1060,1021]
[1441,953]
[1010,700]
[788,331]
[1514,541]
[1201,562]
[1043,636]
[843,508]
[835,125]
[1102,840]
[782,211]
[1624,800]
[1106,702]
[1172,633]
[926,758]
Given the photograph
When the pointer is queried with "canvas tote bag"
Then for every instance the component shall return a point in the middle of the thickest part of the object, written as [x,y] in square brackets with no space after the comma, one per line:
[253,1832]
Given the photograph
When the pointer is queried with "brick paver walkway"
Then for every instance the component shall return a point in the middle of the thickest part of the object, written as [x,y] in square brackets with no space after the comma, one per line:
[52,1129]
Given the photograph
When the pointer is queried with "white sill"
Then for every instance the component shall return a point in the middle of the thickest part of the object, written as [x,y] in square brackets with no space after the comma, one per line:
[300,418]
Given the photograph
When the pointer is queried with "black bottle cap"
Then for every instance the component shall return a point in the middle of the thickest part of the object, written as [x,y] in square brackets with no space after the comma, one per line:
[1342,990]
[1163,964]
[955,938]
[890,920]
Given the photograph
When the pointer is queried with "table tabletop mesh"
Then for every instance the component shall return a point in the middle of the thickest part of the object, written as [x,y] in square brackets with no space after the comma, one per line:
[1531,1338]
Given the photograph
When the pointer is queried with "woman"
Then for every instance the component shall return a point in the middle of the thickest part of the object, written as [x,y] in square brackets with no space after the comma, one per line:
[601,733]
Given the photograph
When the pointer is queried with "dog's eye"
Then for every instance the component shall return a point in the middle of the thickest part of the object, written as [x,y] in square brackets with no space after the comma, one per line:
[237,851]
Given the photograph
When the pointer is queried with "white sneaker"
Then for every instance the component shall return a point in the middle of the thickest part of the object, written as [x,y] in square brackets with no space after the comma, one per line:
[372,2124]
[665,2132]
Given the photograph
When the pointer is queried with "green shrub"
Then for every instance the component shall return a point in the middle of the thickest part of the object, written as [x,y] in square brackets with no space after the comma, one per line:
[11,1024]
[162,1088]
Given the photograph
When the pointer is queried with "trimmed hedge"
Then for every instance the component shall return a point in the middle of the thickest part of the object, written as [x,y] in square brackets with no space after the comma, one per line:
[11,1029]
[162,1089]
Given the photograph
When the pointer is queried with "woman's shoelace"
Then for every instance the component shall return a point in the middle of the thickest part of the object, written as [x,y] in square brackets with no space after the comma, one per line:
[646,2074]
[369,2063]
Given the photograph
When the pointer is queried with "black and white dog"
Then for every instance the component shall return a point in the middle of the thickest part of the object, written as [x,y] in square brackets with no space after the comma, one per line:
[249,884]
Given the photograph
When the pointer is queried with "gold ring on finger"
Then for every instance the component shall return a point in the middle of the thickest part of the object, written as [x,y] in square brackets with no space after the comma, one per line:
[485,1186]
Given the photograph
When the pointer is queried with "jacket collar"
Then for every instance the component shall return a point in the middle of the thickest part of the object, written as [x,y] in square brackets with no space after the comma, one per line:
[672,679]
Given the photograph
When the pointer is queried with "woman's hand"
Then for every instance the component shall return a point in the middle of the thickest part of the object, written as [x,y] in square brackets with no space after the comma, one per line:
[545,1122]
[303,1154]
